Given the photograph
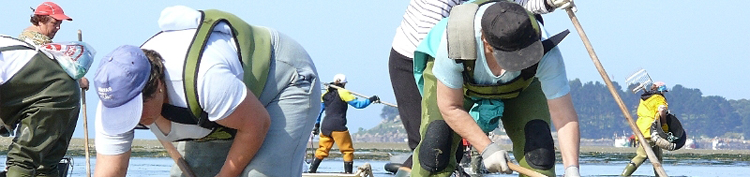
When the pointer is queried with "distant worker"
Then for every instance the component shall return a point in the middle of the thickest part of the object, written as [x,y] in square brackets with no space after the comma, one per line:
[652,107]
[334,125]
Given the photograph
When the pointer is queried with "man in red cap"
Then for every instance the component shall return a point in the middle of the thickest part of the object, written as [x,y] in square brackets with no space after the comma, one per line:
[44,24]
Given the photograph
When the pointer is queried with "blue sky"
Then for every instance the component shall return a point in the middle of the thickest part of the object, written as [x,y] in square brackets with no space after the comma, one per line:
[693,43]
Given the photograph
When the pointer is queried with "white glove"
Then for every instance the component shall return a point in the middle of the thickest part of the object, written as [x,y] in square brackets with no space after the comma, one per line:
[656,136]
[495,159]
[572,171]
[562,4]
[663,143]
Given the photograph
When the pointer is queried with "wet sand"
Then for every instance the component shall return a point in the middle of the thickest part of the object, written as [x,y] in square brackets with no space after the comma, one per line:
[382,151]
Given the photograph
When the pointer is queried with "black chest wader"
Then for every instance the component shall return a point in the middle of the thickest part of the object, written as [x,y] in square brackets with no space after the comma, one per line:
[526,117]
[335,119]
[42,102]
[254,52]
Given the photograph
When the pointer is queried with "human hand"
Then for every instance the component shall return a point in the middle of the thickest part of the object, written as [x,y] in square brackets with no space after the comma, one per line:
[316,130]
[84,83]
[562,4]
[572,171]
[374,99]
[495,159]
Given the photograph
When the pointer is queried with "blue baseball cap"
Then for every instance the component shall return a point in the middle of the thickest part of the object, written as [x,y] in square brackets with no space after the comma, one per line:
[119,82]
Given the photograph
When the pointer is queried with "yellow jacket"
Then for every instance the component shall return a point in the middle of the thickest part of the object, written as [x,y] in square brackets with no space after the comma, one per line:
[648,111]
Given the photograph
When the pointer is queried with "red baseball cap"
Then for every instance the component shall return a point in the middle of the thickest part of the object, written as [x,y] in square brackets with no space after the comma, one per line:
[53,10]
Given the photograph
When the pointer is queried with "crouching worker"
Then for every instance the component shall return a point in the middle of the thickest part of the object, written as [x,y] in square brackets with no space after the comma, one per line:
[334,125]
[40,98]
[492,62]
[243,98]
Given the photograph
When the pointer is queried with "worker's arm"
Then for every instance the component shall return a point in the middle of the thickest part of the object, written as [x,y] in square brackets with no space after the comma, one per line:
[450,102]
[565,119]
[252,121]
[111,165]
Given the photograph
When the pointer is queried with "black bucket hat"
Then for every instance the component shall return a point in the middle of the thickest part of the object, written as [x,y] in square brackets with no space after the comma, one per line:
[514,34]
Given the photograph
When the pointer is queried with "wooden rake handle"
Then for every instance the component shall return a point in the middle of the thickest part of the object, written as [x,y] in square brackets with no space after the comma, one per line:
[613,91]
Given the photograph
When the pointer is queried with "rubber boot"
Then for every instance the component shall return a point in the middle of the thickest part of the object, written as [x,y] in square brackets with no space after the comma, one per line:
[348,167]
[629,169]
[314,165]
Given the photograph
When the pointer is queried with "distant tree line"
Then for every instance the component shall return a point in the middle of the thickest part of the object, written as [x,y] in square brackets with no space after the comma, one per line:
[708,116]
[601,117]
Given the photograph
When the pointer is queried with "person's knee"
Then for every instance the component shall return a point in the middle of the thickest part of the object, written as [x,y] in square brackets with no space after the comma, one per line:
[539,149]
[435,151]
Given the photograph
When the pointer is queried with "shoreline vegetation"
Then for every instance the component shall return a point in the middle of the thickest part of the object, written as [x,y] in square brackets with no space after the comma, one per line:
[383,151]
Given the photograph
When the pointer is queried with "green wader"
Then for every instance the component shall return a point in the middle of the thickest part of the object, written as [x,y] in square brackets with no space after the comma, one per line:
[640,156]
[525,117]
[44,101]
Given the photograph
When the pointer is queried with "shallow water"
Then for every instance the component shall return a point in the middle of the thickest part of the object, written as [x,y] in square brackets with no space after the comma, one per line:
[142,166]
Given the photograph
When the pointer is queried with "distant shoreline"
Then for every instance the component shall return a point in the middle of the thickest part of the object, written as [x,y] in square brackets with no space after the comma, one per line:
[383,151]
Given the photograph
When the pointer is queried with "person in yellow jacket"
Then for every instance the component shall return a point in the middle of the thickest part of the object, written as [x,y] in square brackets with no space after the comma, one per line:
[652,107]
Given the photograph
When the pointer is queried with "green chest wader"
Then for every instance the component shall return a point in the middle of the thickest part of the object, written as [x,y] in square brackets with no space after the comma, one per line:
[44,103]
[434,154]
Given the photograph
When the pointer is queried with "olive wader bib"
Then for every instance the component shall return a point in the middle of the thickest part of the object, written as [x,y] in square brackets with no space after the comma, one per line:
[254,52]
[42,102]
[525,118]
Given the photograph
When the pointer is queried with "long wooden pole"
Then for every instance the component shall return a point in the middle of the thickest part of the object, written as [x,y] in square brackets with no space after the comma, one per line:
[85,123]
[177,157]
[650,153]
[363,96]
[525,171]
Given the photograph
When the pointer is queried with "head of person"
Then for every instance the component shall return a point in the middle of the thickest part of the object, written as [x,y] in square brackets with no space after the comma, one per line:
[48,17]
[659,86]
[511,36]
[339,80]
[131,89]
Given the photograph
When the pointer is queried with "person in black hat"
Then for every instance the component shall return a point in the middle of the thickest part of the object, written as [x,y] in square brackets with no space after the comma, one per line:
[419,17]
[507,69]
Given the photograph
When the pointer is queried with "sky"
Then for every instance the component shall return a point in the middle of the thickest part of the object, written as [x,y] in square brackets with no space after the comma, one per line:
[692,43]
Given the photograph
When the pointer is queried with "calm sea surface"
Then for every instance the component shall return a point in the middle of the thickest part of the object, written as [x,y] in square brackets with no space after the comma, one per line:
[694,168]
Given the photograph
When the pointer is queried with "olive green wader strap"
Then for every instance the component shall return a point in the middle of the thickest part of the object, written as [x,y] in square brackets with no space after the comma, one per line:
[254,51]
[460,32]
[512,88]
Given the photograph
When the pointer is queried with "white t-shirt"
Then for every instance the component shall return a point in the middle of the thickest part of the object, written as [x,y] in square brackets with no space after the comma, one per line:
[550,71]
[12,61]
[220,87]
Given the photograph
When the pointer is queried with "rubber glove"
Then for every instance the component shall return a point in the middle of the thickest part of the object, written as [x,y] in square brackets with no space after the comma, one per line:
[316,130]
[496,159]
[374,99]
[562,4]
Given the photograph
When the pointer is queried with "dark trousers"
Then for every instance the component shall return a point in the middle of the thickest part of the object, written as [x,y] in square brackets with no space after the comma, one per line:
[408,98]
[43,102]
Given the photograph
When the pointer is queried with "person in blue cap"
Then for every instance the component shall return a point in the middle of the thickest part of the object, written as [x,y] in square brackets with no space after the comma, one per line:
[240,99]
